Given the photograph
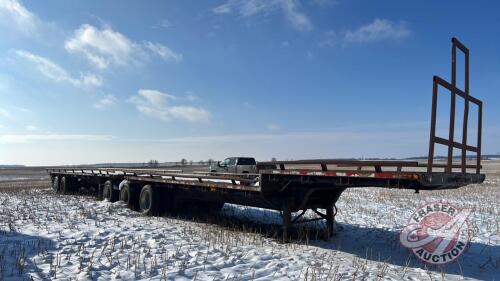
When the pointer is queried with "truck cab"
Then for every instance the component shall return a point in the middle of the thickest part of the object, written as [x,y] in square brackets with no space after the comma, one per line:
[237,165]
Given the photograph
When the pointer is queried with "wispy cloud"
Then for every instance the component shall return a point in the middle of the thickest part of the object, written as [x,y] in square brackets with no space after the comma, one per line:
[12,11]
[101,47]
[55,72]
[157,104]
[297,19]
[105,102]
[28,138]
[163,52]
[379,29]
[105,47]
[248,8]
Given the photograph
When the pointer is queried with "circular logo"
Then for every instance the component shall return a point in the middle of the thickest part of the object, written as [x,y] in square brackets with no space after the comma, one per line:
[437,233]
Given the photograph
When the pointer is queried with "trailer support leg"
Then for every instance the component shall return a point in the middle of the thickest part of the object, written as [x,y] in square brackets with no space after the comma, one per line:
[330,220]
[287,220]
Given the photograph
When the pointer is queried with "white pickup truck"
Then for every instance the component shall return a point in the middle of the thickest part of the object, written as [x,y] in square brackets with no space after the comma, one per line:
[238,165]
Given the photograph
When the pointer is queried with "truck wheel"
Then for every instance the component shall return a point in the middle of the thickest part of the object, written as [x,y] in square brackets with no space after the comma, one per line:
[55,184]
[129,196]
[108,193]
[64,186]
[149,200]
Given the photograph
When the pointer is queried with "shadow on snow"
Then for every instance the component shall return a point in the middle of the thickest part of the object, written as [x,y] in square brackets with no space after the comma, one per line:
[19,253]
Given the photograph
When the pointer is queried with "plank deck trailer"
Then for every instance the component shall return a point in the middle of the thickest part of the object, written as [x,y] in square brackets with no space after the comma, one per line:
[292,186]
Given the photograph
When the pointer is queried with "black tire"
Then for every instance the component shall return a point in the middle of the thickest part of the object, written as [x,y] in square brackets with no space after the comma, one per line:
[149,200]
[129,195]
[55,184]
[100,192]
[65,186]
[109,193]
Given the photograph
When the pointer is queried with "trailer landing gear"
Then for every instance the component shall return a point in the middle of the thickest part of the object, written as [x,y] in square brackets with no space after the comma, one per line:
[288,220]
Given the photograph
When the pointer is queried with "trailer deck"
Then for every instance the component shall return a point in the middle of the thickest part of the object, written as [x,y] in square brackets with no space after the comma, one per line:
[290,186]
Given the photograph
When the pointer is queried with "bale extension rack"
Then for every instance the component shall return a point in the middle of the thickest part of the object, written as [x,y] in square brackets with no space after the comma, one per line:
[290,186]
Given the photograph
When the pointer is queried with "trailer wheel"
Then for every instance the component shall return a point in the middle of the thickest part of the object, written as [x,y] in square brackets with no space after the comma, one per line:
[64,185]
[108,193]
[67,185]
[129,195]
[55,184]
[149,200]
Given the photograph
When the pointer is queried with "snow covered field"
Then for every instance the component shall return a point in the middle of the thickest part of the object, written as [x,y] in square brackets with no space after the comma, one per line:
[47,236]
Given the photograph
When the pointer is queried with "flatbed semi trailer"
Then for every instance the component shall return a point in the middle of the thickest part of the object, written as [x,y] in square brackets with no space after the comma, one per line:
[291,186]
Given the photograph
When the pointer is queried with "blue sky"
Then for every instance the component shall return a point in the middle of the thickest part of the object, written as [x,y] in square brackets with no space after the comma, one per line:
[116,81]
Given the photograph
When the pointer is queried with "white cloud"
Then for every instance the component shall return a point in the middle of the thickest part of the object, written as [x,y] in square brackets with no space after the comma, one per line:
[225,8]
[20,138]
[31,128]
[163,52]
[55,72]
[379,29]
[105,102]
[189,113]
[155,97]
[89,79]
[105,47]
[156,104]
[101,47]
[14,11]
[298,20]
[249,8]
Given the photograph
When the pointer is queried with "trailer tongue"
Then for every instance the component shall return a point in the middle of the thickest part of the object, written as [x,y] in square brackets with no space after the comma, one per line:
[292,186]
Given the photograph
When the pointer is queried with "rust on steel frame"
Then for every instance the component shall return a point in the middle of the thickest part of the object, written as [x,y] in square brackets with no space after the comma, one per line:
[451,143]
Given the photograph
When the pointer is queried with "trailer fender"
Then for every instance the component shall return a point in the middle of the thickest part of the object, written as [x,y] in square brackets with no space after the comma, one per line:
[120,186]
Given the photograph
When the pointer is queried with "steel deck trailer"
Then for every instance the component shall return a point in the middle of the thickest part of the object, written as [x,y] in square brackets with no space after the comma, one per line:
[291,186]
